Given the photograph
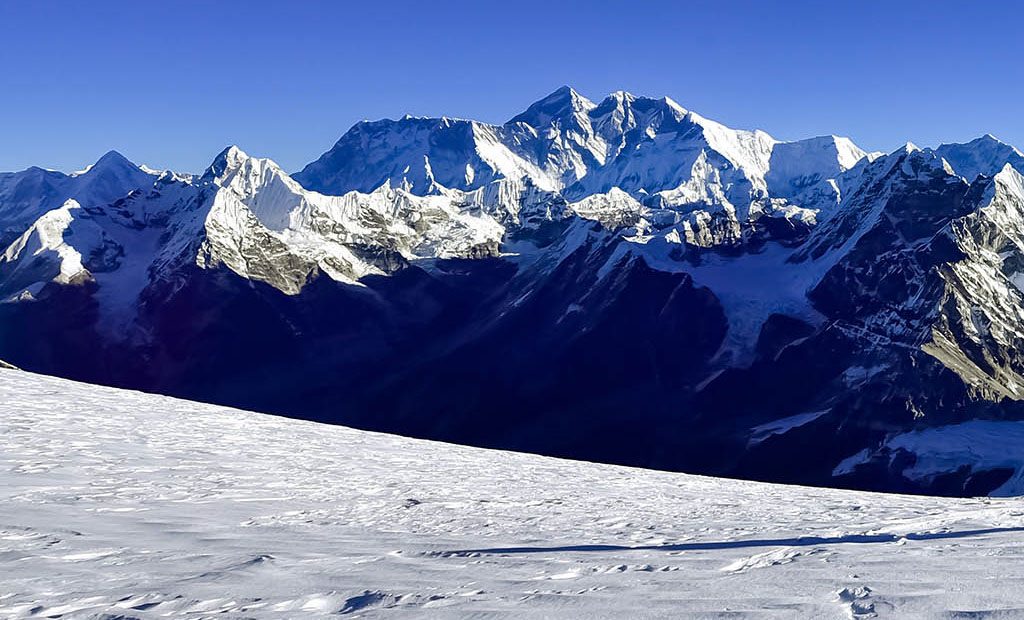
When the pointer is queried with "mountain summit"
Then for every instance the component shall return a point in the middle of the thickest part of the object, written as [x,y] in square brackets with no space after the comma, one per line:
[624,281]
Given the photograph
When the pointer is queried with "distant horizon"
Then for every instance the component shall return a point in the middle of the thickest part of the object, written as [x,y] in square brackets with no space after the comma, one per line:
[170,88]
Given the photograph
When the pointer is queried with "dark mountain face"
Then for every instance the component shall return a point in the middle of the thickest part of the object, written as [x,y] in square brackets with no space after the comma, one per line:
[623,282]
[472,352]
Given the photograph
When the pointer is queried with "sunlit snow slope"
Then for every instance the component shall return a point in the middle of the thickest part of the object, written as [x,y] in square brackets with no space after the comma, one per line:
[116,504]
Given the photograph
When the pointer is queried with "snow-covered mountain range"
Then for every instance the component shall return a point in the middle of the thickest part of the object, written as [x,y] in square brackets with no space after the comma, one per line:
[624,281]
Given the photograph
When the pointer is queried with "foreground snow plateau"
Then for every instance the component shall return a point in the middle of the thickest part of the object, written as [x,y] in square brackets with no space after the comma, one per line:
[116,504]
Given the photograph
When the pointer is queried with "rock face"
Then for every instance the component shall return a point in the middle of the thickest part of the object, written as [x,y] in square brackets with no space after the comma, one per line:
[623,281]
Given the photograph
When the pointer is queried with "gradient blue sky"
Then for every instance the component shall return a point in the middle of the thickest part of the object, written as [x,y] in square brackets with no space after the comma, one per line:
[171,83]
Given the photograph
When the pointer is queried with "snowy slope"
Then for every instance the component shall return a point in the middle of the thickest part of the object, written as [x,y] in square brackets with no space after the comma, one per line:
[26,195]
[421,155]
[985,155]
[805,171]
[120,504]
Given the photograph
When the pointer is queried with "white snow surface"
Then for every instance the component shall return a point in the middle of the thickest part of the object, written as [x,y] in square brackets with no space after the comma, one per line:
[121,504]
[45,239]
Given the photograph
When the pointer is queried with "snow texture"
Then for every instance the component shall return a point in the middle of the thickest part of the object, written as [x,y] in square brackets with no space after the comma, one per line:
[118,504]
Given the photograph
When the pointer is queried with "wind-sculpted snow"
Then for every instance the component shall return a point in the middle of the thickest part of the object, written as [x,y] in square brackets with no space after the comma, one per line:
[121,504]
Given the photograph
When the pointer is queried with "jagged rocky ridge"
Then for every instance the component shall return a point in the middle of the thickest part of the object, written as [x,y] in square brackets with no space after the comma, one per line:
[622,281]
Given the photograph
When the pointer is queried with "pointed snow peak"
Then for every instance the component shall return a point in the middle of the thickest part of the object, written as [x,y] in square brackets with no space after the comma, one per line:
[110,178]
[995,142]
[232,155]
[983,143]
[111,161]
[230,159]
[234,152]
[906,149]
[564,104]
[985,155]
[908,161]
[112,157]
[1011,177]
[988,139]
[234,165]
[1008,183]
[562,94]
[1008,171]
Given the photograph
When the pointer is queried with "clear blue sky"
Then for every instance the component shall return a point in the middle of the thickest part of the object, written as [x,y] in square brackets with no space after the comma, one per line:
[171,83]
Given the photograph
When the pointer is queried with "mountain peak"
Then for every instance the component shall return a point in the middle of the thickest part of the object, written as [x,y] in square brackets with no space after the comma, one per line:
[987,140]
[231,158]
[109,161]
[984,155]
[232,154]
[563,104]
[562,92]
[113,156]
[996,143]
[1008,172]
[622,104]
